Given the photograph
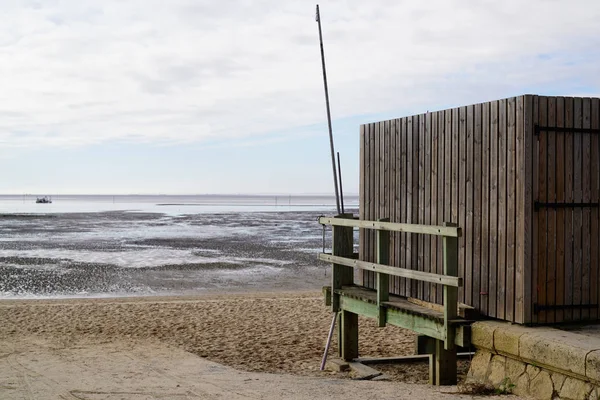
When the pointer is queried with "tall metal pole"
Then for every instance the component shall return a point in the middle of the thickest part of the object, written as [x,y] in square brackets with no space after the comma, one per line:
[339,166]
[335,180]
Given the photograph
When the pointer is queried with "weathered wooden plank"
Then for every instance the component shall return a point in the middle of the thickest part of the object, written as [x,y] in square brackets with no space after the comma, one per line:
[485,209]
[375,196]
[364,252]
[363,198]
[401,201]
[550,283]
[502,222]
[422,324]
[405,202]
[468,242]
[464,311]
[559,212]
[511,201]
[341,275]
[369,193]
[445,364]
[451,269]
[395,199]
[568,138]
[586,213]
[536,215]
[393,226]
[348,342]
[385,204]
[378,194]
[427,204]
[421,202]
[521,180]
[595,218]
[402,359]
[410,196]
[528,165]
[417,323]
[435,171]
[577,213]
[455,165]
[368,197]
[382,173]
[397,303]
[462,198]
[543,213]
[386,269]
[363,372]
[415,209]
[384,178]
[477,206]
[383,279]
[493,230]
[448,164]
[441,196]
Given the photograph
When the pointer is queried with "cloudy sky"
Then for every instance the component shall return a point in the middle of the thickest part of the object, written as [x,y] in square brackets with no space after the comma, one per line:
[196,96]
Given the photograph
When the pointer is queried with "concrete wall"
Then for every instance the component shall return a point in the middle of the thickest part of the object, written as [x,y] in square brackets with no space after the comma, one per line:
[541,362]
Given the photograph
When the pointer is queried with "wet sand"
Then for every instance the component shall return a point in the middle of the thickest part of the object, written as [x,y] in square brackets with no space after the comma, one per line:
[123,254]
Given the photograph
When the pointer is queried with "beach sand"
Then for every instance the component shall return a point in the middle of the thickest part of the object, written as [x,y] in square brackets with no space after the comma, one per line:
[266,332]
[226,345]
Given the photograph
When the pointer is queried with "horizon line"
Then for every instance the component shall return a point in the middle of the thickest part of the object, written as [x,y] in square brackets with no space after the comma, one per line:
[177,194]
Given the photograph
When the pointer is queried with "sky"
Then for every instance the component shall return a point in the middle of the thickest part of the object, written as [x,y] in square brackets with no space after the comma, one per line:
[195,96]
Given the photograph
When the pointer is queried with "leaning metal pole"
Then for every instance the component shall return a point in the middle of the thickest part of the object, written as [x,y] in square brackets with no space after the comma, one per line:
[339,166]
[328,343]
[335,181]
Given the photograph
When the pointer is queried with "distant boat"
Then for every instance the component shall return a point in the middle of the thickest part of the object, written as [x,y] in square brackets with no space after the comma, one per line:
[44,200]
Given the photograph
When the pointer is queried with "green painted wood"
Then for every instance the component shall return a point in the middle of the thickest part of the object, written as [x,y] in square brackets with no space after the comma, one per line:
[392,226]
[358,306]
[418,323]
[452,281]
[450,293]
[383,279]
[343,246]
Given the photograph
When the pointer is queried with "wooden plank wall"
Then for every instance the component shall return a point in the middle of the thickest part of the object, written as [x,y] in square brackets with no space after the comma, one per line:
[459,165]
[483,167]
[566,252]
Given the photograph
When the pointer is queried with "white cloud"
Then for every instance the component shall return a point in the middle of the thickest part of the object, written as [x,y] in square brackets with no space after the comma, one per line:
[76,73]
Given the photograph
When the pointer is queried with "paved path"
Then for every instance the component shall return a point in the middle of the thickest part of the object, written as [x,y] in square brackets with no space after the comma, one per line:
[36,369]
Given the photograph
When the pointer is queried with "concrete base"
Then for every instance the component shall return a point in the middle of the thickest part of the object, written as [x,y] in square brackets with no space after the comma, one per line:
[539,362]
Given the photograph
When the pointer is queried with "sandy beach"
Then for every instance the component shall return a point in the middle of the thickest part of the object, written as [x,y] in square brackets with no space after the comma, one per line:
[267,332]
[239,345]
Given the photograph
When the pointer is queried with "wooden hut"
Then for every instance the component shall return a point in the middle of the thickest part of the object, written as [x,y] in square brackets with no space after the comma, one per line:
[520,176]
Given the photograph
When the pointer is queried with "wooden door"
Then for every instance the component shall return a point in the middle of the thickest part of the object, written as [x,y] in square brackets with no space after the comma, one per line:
[567,209]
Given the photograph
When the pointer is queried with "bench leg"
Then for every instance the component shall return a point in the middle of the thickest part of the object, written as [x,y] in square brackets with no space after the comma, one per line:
[348,335]
[432,375]
[445,364]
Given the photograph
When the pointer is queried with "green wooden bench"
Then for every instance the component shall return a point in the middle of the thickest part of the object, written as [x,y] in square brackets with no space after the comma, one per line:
[445,326]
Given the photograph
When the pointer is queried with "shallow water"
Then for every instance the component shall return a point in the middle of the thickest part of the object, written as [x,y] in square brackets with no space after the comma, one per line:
[143,251]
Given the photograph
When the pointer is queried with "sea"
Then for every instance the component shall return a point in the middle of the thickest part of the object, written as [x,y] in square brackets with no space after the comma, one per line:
[140,245]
